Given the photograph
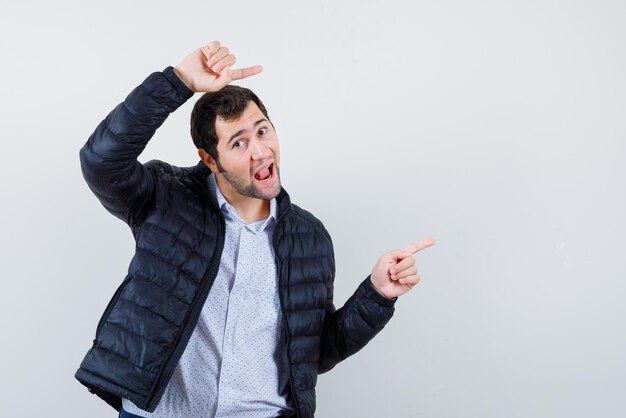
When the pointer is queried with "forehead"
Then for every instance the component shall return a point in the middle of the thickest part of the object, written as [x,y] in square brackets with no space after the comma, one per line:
[226,128]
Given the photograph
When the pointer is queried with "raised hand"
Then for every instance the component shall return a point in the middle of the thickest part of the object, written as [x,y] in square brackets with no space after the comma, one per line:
[208,68]
[395,272]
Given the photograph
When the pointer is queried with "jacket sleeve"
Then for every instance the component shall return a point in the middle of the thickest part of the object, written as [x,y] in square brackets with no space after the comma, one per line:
[351,327]
[109,158]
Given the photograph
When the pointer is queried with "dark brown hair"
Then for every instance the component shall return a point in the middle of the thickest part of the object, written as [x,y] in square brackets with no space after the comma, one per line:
[228,103]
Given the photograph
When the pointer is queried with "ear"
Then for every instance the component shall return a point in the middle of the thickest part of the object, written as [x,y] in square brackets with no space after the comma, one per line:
[208,160]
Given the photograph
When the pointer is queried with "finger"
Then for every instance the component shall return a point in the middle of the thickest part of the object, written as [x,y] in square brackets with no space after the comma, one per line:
[227,61]
[206,52]
[245,72]
[411,280]
[221,53]
[211,48]
[405,273]
[407,262]
[419,245]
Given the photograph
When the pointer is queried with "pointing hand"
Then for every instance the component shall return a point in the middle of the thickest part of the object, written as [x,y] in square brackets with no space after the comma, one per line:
[208,68]
[395,272]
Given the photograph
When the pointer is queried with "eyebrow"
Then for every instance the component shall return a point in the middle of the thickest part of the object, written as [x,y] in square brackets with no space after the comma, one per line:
[242,131]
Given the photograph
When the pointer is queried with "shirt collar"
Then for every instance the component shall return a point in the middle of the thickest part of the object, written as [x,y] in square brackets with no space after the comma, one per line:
[230,213]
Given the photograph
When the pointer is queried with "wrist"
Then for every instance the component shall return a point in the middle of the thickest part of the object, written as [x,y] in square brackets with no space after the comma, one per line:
[368,290]
[378,290]
[182,77]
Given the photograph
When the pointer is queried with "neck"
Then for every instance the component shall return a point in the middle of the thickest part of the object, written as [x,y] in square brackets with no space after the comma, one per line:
[249,209]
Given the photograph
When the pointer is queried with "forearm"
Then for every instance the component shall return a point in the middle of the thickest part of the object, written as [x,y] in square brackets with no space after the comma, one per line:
[351,327]
[109,158]
[121,137]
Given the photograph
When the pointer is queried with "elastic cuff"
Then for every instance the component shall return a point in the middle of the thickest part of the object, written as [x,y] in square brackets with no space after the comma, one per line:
[371,293]
[181,88]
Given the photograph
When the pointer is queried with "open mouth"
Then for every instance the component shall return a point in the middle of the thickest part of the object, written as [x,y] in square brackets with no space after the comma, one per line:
[265,174]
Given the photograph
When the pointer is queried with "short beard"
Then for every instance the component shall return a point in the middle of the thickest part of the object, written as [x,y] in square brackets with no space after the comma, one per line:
[248,190]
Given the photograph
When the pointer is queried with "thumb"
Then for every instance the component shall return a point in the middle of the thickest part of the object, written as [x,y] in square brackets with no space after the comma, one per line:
[397,255]
[222,79]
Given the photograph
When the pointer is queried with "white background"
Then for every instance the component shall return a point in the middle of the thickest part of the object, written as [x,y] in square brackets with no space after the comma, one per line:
[496,127]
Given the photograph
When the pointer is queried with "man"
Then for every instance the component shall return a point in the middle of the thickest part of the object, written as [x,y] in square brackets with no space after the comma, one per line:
[227,308]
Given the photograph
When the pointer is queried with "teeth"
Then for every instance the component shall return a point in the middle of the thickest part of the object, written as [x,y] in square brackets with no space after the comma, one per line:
[271,170]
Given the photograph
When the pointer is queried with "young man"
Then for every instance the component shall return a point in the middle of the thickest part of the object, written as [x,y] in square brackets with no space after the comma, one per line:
[227,308]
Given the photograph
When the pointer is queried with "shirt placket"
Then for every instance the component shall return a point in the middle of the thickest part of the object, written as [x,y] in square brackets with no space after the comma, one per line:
[235,305]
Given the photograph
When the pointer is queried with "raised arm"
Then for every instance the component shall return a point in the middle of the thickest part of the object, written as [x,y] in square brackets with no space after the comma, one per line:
[109,158]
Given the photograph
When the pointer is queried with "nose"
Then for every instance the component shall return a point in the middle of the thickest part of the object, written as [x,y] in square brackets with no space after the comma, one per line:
[259,151]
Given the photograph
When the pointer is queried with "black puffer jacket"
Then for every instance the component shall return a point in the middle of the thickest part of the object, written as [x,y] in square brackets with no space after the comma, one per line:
[179,233]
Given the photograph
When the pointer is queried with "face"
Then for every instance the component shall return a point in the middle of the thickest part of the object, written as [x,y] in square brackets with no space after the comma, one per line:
[248,156]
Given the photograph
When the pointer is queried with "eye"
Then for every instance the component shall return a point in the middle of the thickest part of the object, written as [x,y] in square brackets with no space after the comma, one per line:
[262,131]
[239,143]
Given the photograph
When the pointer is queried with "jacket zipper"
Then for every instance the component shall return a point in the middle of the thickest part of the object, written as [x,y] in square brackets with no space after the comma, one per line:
[172,360]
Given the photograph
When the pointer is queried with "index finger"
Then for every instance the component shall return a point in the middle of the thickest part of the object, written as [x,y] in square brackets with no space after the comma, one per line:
[419,245]
[240,73]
